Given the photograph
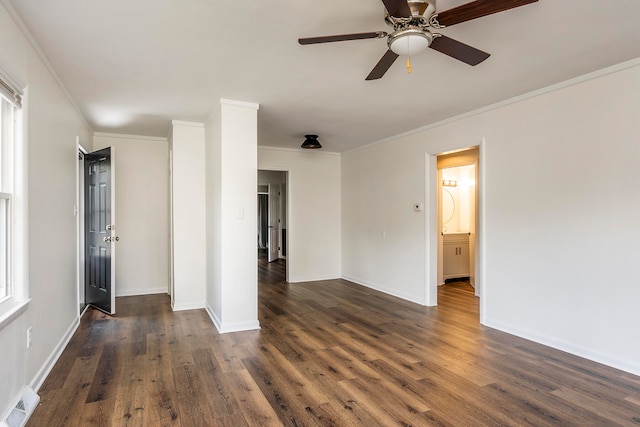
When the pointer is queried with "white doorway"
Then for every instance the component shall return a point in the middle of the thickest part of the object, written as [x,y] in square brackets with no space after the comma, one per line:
[455,220]
[273,214]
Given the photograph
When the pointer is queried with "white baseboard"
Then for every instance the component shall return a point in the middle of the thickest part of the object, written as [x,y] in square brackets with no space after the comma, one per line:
[392,292]
[213,317]
[135,292]
[39,378]
[632,367]
[231,327]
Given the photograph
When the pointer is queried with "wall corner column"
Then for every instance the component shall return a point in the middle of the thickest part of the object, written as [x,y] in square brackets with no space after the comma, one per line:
[232,150]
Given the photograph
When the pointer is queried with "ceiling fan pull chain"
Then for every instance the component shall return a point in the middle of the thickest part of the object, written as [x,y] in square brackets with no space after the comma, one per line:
[409,64]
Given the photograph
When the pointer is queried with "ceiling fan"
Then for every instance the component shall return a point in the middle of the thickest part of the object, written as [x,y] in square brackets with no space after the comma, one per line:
[411,21]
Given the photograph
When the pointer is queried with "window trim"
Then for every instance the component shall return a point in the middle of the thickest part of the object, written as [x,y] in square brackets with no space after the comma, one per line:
[10,292]
[16,179]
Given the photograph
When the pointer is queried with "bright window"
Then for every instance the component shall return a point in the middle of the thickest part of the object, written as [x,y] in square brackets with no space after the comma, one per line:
[10,103]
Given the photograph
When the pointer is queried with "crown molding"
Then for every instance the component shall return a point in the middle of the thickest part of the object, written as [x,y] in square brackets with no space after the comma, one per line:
[298,150]
[126,136]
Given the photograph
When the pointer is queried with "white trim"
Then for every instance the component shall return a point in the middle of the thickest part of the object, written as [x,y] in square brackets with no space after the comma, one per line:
[313,278]
[231,327]
[188,306]
[213,317]
[431,229]
[79,212]
[184,123]
[631,366]
[252,105]
[148,291]
[48,365]
[16,308]
[126,136]
[376,287]
[543,91]
[15,16]
[481,234]
[299,150]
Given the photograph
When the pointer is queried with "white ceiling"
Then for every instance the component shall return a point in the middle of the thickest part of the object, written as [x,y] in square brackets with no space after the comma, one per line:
[133,66]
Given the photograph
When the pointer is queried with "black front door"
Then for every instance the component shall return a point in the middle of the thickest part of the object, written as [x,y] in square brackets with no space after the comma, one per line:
[99,243]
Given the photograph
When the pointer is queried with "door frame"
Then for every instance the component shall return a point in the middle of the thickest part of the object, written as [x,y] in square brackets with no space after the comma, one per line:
[432,221]
[290,219]
[273,208]
[80,222]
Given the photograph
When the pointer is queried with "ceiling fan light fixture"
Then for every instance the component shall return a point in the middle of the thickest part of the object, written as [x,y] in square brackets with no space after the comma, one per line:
[410,41]
[311,141]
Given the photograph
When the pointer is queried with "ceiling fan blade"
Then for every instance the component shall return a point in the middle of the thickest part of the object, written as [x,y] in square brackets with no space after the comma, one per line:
[458,50]
[398,8]
[383,65]
[477,9]
[342,37]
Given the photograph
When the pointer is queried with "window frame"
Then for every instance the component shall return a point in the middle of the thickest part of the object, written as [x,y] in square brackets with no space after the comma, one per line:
[6,222]
[13,187]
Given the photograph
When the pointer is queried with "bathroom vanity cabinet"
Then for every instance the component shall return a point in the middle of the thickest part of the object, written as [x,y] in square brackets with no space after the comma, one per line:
[456,262]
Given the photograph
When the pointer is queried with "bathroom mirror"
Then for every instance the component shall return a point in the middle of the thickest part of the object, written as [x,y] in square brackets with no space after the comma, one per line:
[448,206]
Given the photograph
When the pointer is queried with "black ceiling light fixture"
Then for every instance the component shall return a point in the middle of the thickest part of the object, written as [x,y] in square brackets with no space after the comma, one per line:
[311,141]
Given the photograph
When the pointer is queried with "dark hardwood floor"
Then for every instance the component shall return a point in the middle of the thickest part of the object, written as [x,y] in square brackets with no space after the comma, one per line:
[329,353]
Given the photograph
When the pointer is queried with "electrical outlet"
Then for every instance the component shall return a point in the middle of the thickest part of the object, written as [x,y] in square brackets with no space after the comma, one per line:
[29,329]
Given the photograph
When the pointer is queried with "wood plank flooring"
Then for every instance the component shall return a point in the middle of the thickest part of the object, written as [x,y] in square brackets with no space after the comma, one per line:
[329,353]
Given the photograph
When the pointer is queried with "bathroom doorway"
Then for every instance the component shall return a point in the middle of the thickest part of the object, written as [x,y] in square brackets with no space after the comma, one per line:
[458,217]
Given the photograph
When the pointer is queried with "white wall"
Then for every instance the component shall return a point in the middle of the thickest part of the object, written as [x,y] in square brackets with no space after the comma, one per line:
[314,217]
[142,215]
[188,213]
[560,172]
[232,173]
[52,127]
